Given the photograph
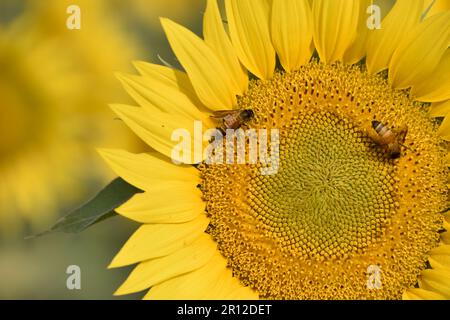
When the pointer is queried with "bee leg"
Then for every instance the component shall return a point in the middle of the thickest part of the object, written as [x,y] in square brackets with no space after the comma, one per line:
[402,132]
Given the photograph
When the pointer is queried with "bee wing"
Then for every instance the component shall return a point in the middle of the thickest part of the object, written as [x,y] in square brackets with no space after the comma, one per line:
[222,113]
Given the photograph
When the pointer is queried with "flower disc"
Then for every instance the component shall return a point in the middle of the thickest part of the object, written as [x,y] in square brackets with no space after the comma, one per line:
[338,205]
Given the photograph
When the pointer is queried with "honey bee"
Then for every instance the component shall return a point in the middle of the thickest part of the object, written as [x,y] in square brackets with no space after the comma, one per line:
[390,141]
[232,119]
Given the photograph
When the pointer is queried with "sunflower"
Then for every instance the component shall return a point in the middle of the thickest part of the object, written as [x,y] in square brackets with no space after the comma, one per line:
[339,206]
[50,118]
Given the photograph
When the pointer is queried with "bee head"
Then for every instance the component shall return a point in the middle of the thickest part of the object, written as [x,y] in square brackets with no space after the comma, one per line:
[394,155]
[248,114]
[375,124]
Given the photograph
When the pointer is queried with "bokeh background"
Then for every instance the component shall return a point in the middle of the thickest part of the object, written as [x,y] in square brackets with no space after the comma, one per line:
[55,87]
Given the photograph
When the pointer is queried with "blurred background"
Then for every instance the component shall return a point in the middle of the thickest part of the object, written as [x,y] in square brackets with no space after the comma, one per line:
[55,87]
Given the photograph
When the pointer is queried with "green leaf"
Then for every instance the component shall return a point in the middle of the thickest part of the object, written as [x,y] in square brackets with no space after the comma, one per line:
[99,208]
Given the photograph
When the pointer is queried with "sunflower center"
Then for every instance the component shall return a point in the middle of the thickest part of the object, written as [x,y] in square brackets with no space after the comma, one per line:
[331,196]
[339,207]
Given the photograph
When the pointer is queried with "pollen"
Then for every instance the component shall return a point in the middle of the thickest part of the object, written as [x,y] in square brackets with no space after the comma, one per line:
[338,205]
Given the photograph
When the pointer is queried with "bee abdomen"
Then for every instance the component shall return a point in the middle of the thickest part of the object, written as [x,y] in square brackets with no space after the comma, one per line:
[380,128]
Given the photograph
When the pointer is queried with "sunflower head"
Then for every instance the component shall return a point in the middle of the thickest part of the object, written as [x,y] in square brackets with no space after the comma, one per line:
[361,186]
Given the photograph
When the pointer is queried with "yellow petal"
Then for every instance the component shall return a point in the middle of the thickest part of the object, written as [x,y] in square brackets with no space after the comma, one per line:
[420,52]
[421,294]
[243,293]
[145,170]
[158,128]
[169,77]
[235,290]
[335,27]
[439,257]
[153,94]
[158,206]
[445,237]
[292,31]
[447,218]
[440,109]
[208,76]
[357,50]
[210,282]
[444,129]
[217,38]
[438,6]
[436,87]
[159,240]
[437,281]
[382,43]
[248,22]
[183,261]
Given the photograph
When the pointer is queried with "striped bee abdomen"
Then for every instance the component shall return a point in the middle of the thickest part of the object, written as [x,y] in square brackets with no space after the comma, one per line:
[380,128]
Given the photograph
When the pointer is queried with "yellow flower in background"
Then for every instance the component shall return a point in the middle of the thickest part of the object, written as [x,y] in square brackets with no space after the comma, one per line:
[101,47]
[54,87]
[29,149]
[339,207]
